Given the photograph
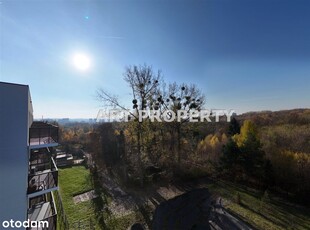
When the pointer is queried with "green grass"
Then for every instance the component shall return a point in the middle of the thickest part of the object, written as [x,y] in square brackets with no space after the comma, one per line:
[262,212]
[73,181]
[267,213]
[125,221]
[77,180]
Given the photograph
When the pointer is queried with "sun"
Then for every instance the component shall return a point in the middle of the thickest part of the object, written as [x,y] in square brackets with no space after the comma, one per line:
[81,61]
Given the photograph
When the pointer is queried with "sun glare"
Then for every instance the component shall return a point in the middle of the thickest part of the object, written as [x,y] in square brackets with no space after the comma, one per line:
[81,61]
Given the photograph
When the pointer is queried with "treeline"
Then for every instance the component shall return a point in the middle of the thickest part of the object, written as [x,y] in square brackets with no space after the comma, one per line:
[263,157]
[267,150]
[74,137]
[285,138]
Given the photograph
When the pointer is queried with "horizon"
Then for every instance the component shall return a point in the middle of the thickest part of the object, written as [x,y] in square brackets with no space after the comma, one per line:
[237,114]
[246,56]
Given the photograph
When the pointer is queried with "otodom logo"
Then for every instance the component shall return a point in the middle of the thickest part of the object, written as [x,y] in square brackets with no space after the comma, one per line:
[25,224]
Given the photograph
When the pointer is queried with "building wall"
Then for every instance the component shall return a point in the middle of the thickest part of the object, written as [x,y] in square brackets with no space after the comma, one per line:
[15,117]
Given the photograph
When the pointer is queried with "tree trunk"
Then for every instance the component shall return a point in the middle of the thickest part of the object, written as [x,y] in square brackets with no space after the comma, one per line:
[139,154]
[179,143]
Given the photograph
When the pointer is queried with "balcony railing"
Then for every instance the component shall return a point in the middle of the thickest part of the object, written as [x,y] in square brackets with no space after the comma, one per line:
[43,180]
[41,133]
[40,160]
[44,212]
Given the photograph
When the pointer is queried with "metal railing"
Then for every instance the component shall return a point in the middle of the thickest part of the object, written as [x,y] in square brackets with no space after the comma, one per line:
[44,180]
[41,133]
[63,223]
[40,160]
[50,222]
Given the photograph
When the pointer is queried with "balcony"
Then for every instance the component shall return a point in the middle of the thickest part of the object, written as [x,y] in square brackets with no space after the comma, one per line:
[40,159]
[42,134]
[40,182]
[43,209]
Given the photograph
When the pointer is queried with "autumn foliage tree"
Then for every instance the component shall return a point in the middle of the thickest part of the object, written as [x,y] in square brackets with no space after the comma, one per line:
[210,148]
[243,154]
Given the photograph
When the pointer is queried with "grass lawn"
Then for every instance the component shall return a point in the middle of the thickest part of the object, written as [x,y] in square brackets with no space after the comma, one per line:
[77,180]
[73,181]
[262,210]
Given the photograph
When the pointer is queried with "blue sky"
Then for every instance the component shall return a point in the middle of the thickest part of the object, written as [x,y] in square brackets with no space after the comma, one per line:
[246,55]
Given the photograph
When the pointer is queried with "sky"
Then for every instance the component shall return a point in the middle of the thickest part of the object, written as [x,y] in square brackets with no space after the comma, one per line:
[246,55]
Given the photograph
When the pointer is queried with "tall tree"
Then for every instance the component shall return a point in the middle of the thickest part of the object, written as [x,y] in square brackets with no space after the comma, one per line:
[230,160]
[144,84]
[244,152]
[252,156]
[234,127]
[181,97]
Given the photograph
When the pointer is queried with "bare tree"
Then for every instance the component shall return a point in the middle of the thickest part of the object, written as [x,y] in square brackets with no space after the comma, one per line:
[150,92]
[182,97]
[144,85]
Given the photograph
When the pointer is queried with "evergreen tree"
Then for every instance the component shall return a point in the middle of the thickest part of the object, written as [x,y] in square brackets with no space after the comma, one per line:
[234,127]
[231,157]
[252,156]
[243,154]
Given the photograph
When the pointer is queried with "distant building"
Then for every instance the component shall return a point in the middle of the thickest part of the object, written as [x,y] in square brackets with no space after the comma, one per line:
[63,121]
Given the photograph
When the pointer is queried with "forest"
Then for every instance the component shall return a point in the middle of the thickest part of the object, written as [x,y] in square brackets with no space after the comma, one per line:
[265,150]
